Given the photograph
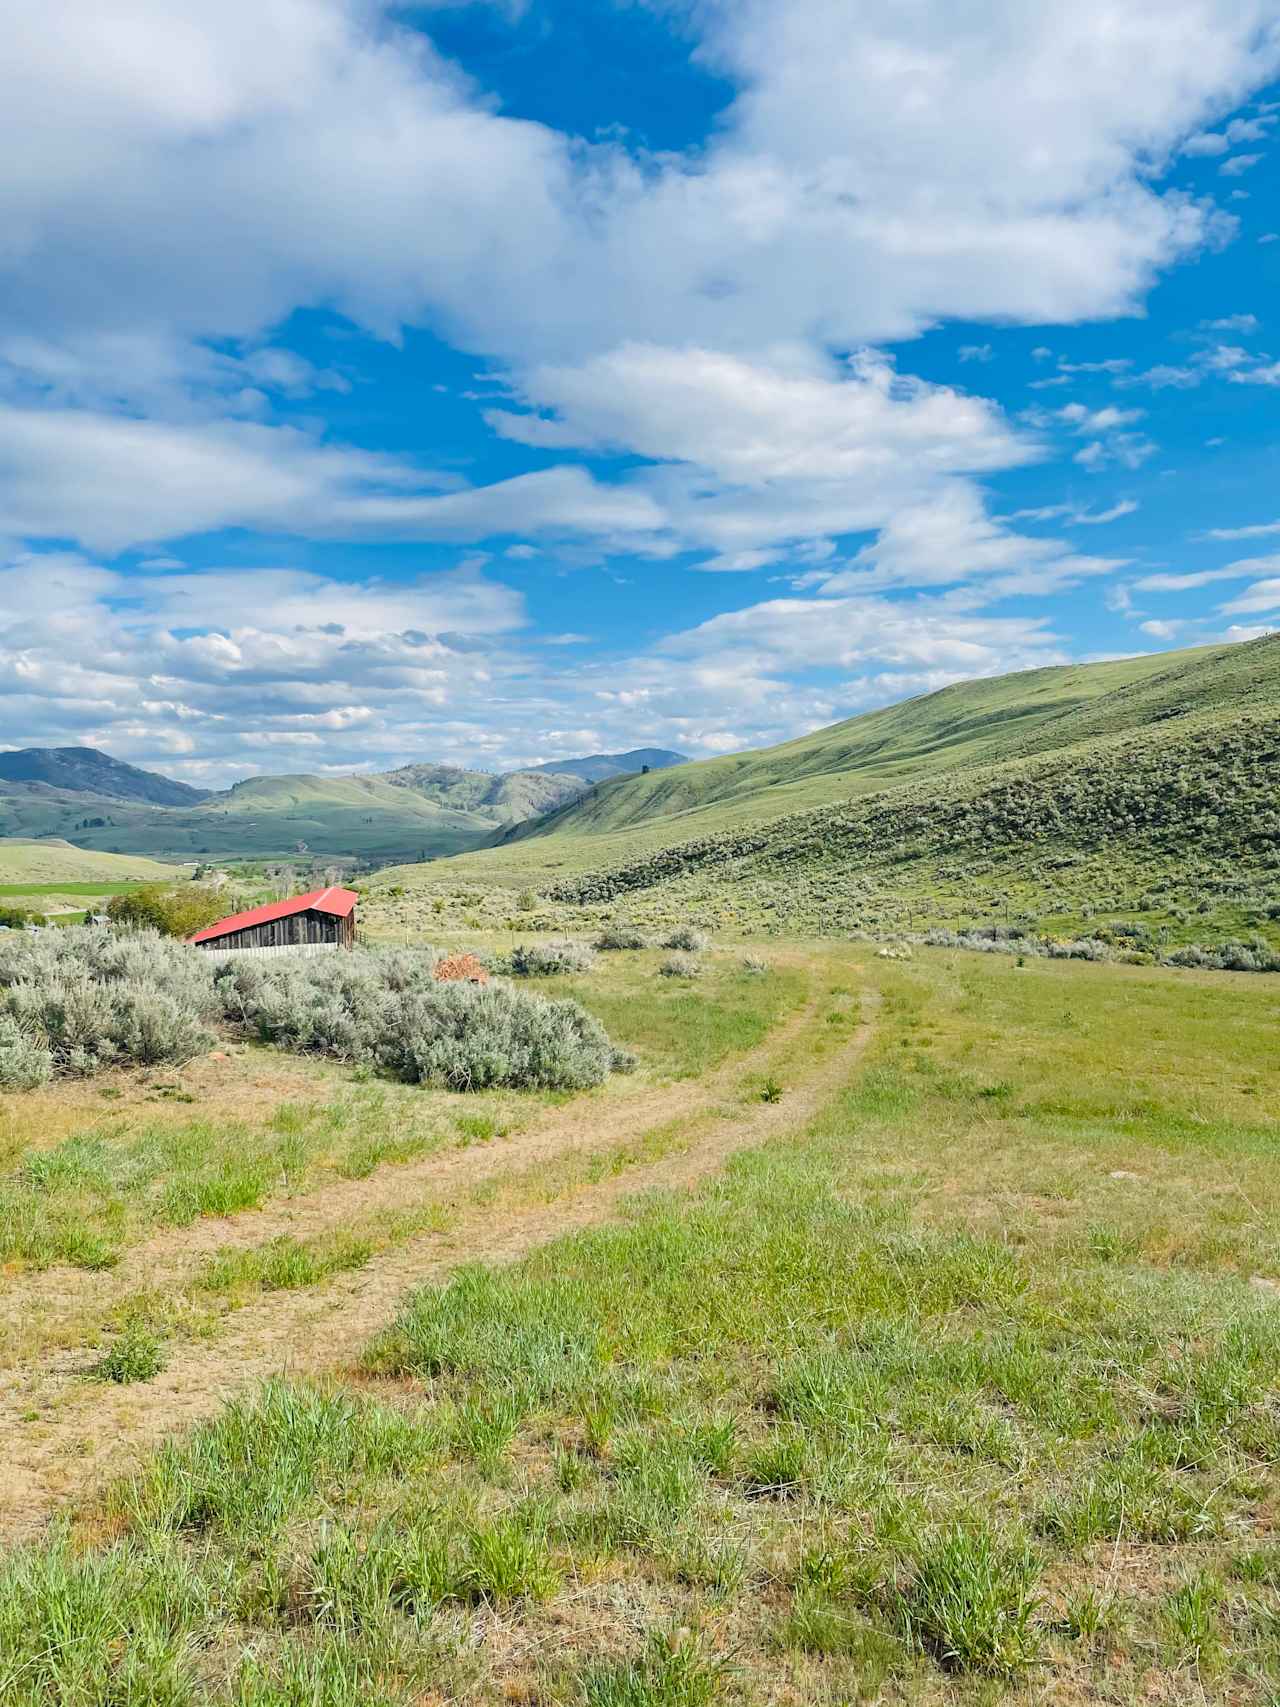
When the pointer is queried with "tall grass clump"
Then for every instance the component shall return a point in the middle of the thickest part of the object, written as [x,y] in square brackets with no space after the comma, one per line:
[389,1011]
[77,1000]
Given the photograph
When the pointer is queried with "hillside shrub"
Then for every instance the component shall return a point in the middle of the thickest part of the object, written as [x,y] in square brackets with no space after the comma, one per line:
[619,937]
[548,959]
[172,912]
[78,1000]
[1255,956]
[688,939]
[681,966]
[468,1037]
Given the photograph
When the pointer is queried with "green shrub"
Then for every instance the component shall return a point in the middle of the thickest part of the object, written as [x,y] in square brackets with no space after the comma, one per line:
[688,939]
[172,912]
[136,1355]
[389,1011]
[89,998]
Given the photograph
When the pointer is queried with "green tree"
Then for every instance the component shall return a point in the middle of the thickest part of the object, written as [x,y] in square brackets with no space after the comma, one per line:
[172,912]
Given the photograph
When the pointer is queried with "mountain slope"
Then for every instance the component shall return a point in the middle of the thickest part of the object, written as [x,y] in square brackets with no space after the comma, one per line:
[84,770]
[969,723]
[1148,788]
[505,799]
[420,811]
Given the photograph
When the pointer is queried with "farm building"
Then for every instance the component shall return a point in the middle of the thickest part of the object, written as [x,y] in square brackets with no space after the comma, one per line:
[306,924]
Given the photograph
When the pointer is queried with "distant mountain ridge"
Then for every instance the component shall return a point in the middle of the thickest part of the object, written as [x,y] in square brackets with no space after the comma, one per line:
[85,770]
[418,811]
[599,767]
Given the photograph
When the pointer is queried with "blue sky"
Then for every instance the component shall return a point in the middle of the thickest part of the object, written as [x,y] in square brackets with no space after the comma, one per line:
[495,382]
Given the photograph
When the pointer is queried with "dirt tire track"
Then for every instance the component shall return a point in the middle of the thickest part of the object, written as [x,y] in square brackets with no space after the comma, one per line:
[170,1256]
[64,1437]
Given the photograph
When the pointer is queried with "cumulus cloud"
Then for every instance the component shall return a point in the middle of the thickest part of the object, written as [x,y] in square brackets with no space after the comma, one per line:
[205,170]
[182,178]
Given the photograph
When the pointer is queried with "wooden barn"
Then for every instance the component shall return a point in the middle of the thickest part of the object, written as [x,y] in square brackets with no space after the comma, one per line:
[306,924]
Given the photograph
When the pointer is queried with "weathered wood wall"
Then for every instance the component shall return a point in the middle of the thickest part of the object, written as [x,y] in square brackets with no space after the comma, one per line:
[294,931]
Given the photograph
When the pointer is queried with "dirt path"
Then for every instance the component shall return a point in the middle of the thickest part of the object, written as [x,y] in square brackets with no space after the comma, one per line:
[166,1261]
[62,1436]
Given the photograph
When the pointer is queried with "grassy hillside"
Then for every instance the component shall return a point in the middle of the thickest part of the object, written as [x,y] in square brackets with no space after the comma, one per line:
[48,862]
[969,723]
[265,818]
[504,799]
[1143,791]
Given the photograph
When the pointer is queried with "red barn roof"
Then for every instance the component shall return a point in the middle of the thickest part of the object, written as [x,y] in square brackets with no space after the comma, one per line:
[338,902]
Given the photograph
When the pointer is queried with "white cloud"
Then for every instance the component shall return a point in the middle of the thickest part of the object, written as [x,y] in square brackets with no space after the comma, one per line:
[1242,323]
[757,422]
[1181,582]
[1076,515]
[976,353]
[205,170]
[1112,365]
[1269,374]
[1238,164]
[1261,596]
[1162,629]
[1090,421]
[1239,130]
[1255,530]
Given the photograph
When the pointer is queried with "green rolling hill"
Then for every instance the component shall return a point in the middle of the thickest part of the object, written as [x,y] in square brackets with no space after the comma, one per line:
[1145,787]
[420,811]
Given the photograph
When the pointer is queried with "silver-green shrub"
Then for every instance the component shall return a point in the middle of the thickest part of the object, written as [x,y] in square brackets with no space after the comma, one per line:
[75,1001]
[621,936]
[681,966]
[686,938]
[470,1037]
[88,999]
[24,1063]
[388,1011]
[547,959]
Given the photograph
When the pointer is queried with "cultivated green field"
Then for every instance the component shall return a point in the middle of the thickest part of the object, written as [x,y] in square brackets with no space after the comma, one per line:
[960,1382]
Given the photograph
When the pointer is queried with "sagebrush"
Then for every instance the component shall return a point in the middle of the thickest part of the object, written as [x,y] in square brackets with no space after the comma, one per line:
[84,999]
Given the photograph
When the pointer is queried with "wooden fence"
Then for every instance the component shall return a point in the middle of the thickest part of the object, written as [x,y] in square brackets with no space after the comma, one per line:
[305,949]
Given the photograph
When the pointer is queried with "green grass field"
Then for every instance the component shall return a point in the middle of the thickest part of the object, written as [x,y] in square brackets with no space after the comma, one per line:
[964,1387]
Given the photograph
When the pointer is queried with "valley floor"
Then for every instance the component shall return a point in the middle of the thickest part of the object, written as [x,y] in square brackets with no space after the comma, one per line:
[903,1330]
